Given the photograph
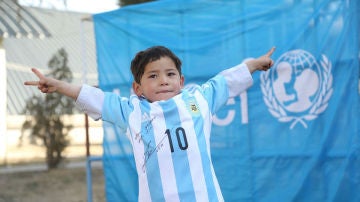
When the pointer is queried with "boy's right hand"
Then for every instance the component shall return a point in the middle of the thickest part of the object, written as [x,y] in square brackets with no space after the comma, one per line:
[45,84]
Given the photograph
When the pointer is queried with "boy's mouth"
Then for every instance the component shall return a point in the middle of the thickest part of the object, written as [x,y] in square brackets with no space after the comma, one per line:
[163,91]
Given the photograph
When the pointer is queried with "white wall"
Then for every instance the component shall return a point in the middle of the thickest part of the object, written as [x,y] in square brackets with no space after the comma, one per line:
[23,151]
[2,104]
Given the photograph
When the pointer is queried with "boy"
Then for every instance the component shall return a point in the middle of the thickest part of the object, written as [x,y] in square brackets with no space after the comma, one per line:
[169,127]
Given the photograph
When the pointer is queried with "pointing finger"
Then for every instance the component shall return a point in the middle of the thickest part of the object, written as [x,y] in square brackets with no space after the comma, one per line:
[31,83]
[271,51]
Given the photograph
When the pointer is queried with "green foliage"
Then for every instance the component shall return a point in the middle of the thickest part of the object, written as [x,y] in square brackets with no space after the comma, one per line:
[45,121]
[130,2]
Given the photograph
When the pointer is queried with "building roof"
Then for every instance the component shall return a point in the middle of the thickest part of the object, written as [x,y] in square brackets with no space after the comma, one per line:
[17,22]
[68,30]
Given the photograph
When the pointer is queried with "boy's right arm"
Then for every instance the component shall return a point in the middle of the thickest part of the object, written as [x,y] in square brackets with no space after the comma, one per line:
[50,85]
[88,99]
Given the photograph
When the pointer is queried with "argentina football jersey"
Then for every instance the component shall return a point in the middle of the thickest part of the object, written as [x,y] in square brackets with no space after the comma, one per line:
[171,139]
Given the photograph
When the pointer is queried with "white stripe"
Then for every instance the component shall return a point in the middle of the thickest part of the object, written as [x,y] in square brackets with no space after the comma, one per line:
[193,152]
[207,130]
[166,166]
[244,108]
[138,148]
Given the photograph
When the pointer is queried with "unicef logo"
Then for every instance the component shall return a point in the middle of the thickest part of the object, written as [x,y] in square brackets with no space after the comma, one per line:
[298,88]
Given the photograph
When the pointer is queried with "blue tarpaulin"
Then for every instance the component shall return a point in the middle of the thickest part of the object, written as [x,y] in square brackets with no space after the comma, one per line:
[294,135]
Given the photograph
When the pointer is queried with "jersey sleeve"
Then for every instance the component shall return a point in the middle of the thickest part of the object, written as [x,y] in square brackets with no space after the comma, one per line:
[238,79]
[90,101]
[227,84]
[116,109]
[107,106]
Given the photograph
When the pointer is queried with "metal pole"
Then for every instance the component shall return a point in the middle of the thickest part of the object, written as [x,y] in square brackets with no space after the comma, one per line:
[84,80]
[87,135]
[89,179]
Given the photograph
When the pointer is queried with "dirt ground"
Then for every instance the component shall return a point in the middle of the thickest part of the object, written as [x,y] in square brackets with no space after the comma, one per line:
[60,185]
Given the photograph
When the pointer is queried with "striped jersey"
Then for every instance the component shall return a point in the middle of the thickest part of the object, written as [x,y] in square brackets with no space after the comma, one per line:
[171,138]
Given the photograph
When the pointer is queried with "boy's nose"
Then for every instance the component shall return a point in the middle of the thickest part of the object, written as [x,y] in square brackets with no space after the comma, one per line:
[163,80]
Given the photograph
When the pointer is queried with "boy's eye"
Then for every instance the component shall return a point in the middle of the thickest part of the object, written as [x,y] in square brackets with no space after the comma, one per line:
[152,76]
[171,74]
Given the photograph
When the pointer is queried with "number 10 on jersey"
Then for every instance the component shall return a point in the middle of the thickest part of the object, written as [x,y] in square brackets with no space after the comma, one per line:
[180,138]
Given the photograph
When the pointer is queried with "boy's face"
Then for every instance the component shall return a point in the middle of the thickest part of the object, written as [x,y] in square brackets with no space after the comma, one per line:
[160,81]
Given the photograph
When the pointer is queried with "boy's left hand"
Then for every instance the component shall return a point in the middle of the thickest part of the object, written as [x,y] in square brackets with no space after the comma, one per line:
[261,63]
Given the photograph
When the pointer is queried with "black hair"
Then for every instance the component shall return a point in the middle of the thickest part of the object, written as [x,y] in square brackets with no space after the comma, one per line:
[151,54]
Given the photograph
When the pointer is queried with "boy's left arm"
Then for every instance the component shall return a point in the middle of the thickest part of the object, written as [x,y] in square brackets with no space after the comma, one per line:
[239,78]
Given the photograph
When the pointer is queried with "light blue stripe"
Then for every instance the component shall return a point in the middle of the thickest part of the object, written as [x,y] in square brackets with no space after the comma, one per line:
[179,156]
[151,162]
[201,140]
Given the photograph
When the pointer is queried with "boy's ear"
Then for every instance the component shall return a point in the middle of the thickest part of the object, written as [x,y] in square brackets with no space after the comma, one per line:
[136,88]
[182,80]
